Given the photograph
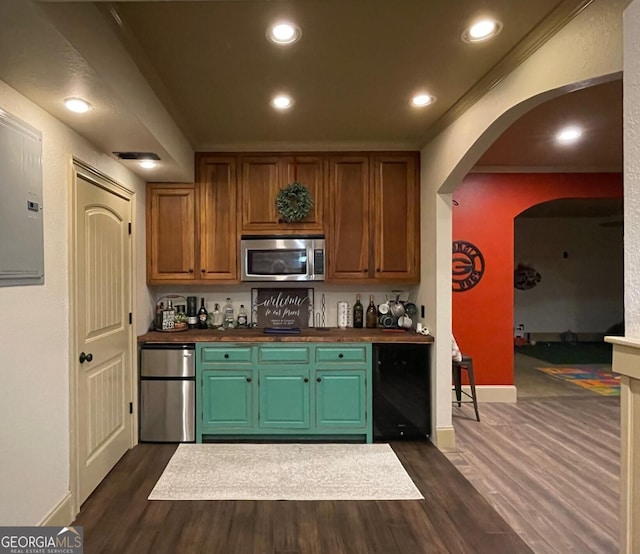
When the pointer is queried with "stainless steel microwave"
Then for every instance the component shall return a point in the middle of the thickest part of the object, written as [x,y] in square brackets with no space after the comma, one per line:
[282,258]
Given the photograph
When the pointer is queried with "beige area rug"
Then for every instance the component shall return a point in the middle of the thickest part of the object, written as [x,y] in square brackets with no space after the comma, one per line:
[284,472]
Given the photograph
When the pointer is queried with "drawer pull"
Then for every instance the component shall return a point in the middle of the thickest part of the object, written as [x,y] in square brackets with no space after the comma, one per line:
[248,379]
[341,355]
[226,355]
[318,379]
[306,379]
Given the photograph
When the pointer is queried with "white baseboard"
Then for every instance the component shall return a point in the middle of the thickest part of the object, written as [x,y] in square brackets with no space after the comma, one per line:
[445,438]
[61,515]
[491,393]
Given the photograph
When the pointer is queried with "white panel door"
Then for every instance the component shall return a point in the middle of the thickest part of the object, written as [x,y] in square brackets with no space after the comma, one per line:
[103,357]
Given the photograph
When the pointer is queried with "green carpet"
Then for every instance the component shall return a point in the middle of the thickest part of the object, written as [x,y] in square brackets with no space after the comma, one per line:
[567,353]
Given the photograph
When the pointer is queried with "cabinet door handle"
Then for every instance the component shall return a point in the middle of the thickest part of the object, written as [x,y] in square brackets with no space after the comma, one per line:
[306,379]
[378,269]
[85,357]
[318,379]
[226,356]
[203,270]
[248,379]
[190,270]
[341,355]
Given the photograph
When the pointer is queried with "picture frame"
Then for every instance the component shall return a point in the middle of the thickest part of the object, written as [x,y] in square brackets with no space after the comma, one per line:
[282,308]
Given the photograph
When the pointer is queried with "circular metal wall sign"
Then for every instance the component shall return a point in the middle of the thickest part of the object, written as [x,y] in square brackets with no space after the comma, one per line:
[467,265]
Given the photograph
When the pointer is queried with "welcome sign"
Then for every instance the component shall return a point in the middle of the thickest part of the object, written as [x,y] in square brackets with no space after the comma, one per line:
[282,308]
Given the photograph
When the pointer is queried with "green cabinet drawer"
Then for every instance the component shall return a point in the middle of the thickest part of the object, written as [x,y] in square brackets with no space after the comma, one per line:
[284,354]
[226,354]
[340,354]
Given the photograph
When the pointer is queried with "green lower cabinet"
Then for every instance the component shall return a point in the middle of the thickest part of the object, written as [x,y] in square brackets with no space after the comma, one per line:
[284,399]
[300,391]
[227,399]
[341,399]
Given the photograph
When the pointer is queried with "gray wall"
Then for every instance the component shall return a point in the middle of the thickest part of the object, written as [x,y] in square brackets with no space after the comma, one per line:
[582,292]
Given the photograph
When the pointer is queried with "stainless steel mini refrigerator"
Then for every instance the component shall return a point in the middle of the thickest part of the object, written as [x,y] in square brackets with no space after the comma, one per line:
[167,393]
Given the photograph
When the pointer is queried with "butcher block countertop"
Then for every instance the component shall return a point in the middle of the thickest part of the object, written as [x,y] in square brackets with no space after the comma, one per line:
[306,335]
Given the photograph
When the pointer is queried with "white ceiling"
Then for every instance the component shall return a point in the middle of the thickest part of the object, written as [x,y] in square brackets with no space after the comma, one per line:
[174,77]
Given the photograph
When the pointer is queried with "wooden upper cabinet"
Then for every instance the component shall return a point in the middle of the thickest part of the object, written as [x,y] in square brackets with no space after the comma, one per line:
[309,171]
[171,232]
[259,182]
[261,179]
[348,236]
[366,204]
[218,252]
[396,213]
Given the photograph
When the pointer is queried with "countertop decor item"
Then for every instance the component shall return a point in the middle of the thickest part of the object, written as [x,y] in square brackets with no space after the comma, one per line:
[282,308]
[294,202]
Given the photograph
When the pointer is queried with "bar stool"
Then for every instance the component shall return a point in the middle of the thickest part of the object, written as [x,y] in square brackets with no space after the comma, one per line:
[467,364]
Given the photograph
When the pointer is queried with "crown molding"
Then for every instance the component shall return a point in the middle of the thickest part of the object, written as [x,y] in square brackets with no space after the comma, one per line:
[558,18]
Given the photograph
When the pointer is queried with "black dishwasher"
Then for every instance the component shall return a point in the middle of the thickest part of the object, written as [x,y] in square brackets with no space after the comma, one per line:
[401,391]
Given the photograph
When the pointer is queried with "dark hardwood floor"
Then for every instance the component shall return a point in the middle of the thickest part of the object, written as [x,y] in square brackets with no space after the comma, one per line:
[453,517]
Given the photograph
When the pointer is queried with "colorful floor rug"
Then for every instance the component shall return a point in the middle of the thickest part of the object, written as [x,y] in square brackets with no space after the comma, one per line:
[597,380]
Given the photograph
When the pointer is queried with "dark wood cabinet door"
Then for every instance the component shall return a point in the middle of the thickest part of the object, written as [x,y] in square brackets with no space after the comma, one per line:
[218,237]
[259,185]
[348,234]
[396,213]
[308,171]
[171,224]
[262,178]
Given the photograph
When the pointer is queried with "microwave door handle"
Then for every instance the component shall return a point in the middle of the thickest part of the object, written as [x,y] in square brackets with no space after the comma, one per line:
[311,270]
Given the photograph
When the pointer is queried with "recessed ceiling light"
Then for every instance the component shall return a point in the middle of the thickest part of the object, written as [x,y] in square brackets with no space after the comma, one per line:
[282,102]
[422,99]
[481,30]
[284,32]
[77,105]
[147,164]
[569,135]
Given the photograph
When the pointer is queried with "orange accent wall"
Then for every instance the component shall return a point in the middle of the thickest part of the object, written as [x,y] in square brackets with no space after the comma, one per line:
[484,216]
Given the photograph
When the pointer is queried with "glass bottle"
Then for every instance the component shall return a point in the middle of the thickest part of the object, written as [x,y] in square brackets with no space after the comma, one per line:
[215,317]
[358,314]
[243,317]
[192,312]
[229,315]
[372,314]
[202,315]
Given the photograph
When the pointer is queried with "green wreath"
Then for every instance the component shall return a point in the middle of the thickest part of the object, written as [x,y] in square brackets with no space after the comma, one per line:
[294,202]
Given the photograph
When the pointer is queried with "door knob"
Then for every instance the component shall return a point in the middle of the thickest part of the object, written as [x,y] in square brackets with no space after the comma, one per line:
[85,357]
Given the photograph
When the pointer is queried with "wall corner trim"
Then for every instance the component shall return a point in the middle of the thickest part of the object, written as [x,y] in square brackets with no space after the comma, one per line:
[61,514]
[490,393]
[445,439]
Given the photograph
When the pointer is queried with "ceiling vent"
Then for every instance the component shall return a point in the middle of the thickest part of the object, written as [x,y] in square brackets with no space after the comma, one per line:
[137,155]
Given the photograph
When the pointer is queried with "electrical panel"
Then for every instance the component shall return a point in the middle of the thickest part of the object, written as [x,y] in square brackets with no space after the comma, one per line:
[21,228]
